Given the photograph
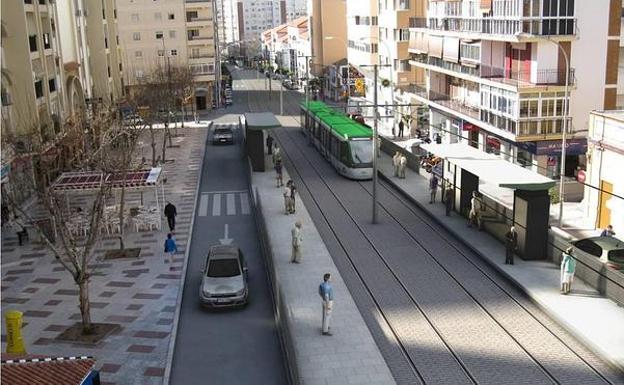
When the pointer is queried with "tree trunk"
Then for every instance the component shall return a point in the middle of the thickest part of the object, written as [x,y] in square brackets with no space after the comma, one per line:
[122,204]
[85,307]
[183,114]
[153,144]
[164,143]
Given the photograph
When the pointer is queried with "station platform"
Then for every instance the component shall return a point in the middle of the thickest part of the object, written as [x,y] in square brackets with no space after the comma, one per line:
[593,319]
[350,356]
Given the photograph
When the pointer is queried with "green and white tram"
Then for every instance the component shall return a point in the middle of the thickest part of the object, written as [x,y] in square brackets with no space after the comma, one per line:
[345,143]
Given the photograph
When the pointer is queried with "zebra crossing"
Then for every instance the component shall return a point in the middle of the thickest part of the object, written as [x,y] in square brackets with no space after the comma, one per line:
[223,203]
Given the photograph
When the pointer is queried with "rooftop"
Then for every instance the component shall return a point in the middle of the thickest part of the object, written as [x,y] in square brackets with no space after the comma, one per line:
[46,371]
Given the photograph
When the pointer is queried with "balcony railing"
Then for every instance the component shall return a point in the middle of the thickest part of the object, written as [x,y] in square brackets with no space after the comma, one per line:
[533,26]
[193,19]
[502,75]
[199,38]
[420,89]
[202,56]
[418,22]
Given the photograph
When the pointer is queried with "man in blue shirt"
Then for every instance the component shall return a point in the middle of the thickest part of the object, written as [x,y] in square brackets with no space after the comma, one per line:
[608,232]
[327,295]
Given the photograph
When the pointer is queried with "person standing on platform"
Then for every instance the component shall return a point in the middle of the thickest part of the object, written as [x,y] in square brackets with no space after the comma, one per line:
[401,128]
[269,144]
[511,245]
[297,240]
[402,165]
[327,297]
[608,232]
[287,198]
[395,163]
[433,188]
[448,200]
[474,217]
[278,172]
[170,248]
[568,268]
[293,195]
[170,213]
[277,154]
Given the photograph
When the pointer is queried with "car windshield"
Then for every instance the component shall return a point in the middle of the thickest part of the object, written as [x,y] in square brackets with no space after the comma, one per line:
[222,131]
[221,268]
[616,255]
[362,151]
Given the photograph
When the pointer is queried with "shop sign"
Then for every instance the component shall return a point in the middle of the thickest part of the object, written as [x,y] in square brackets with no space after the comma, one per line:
[553,147]
[527,146]
[469,127]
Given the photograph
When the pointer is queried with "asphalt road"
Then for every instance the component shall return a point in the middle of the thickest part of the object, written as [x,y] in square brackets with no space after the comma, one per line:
[234,346]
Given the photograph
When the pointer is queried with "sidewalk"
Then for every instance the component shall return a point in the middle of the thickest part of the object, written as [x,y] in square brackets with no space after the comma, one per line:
[350,356]
[593,319]
[138,294]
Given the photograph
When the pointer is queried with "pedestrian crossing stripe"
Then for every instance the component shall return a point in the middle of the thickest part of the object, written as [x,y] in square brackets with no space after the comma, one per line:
[224,203]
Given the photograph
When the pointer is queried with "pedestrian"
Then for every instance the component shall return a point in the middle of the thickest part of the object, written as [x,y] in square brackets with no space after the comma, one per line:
[393,132]
[438,139]
[277,154]
[608,232]
[170,248]
[401,128]
[293,193]
[433,188]
[378,146]
[5,215]
[511,245]
[395,162]
[448,200]
[278,172]
[269,144]
[286,195]
[170,213]
[568,267]
[20,230]
[474,217]
[297,239]
[327,297]
[402,166]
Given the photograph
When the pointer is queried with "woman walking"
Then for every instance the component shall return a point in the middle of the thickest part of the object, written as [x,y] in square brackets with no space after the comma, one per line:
[278,171]
[568,267]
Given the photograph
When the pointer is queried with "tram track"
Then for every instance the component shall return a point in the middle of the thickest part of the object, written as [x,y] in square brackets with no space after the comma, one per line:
[286,138]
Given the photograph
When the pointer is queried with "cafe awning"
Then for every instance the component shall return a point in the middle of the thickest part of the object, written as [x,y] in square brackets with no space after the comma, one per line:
[490,168]
[85,181]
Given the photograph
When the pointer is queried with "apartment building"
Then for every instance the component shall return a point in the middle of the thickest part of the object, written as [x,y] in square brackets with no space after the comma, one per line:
[620,83]
[33,113]
[287,46]
[328,33]
[496,74]
[170,33]
[227,26]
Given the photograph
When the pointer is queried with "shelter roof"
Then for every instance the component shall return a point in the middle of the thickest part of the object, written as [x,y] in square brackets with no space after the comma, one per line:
[47,371]
[490,168]
[261,120]
[82,181]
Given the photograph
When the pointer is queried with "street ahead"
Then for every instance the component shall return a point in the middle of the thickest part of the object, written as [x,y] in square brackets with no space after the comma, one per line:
[228,346]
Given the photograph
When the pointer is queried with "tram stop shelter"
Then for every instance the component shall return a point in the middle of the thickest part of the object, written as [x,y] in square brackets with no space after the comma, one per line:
[519,190]
[256,124]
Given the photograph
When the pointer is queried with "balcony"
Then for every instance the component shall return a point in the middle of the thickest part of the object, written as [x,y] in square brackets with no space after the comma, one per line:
[420,89]
[418,22]
[202,56]
[520,79]
[541,26]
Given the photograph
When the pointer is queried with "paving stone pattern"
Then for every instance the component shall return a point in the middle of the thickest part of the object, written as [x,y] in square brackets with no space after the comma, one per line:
[140,294]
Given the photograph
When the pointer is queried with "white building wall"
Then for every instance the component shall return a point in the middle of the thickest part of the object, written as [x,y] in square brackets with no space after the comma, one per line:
[589,61]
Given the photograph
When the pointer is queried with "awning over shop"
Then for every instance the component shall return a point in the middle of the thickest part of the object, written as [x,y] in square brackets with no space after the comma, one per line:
[84,181]
[490,168]
[261,120]
[201,91]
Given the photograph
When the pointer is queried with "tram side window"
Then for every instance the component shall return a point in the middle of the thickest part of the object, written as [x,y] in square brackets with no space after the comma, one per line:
[345,154]
[335,150]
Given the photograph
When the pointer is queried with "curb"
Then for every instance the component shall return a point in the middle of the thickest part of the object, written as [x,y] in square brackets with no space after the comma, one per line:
[558,319]
[176,317]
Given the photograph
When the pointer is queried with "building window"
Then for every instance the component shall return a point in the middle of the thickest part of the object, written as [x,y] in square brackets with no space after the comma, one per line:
[47,44]
[120,67]
[158,16]
[138,54]
[32,42]
[161,52]
[138,74]
[108,70]
[52,85]
[39,89]
[171,16]
[136,36]
[402,4]
[174,52]
[172,34]
[135,17]
[159,34]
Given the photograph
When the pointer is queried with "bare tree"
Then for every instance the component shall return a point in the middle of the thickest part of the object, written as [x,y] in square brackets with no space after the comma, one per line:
[74,252]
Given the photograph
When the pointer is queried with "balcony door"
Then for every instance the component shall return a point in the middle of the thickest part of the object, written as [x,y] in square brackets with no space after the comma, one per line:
[518,62]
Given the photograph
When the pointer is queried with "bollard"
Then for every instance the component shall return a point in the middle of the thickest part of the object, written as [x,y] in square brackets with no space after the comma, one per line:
[15,342]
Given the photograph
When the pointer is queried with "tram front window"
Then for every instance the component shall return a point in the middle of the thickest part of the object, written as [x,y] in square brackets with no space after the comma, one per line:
[362,152]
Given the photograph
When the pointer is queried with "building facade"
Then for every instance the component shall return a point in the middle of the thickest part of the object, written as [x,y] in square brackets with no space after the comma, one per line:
[328,33]
[496,74]
[227,26]
[604,191]
[172,33]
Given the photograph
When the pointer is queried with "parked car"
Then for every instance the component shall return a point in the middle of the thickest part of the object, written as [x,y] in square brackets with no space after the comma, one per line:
[224,278]
[610,250]
[223,135]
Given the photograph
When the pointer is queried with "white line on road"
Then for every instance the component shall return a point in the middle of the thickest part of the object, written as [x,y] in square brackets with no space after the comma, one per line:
[231,205]
[203,205]
[223,192]
[216,205]
[244,197]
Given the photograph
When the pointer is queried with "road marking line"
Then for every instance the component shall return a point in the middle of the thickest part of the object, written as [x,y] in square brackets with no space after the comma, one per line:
[216,205]
[231,205]
[223,192]
[244,198]
[203,206]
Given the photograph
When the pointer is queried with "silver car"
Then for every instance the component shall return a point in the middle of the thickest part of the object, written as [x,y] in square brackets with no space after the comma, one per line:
[224,278]
[610,250]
